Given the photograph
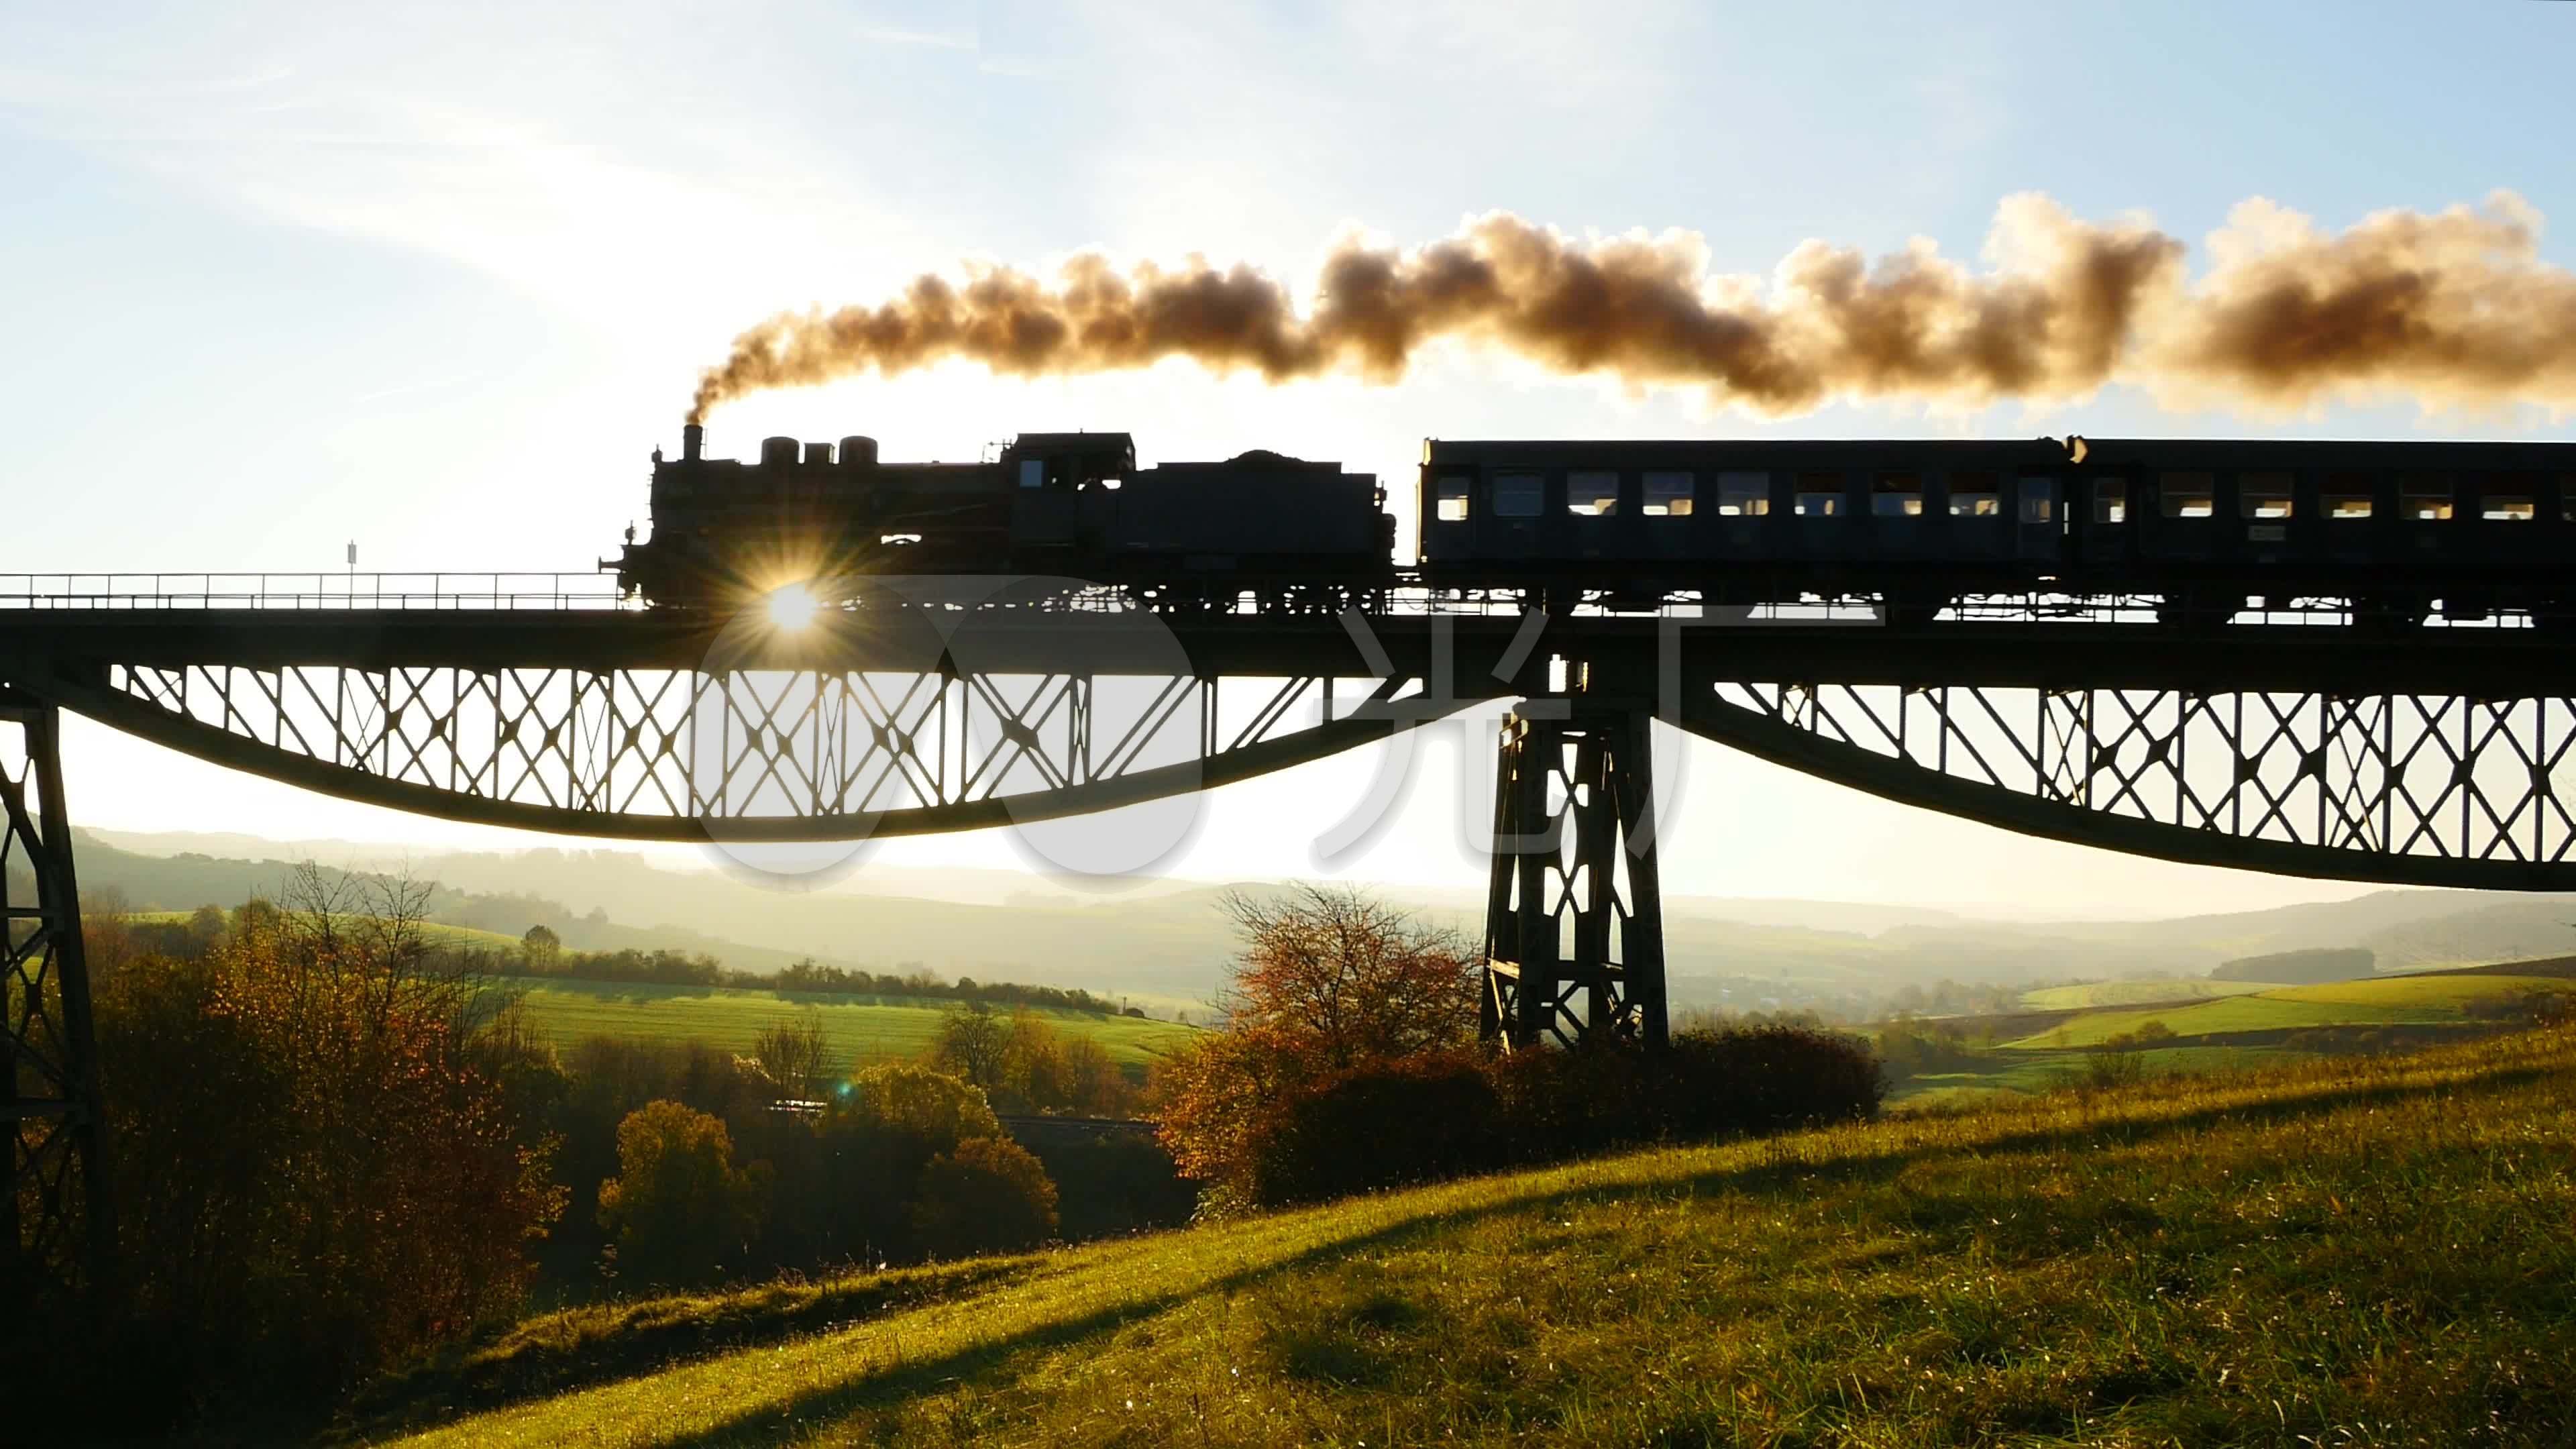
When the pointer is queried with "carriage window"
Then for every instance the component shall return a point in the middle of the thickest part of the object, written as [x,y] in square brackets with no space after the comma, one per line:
[1975,495]
[2110,500]
[1744,494]
[1897,495]
[2186,495]
[1668,495]
[2263,495]
[2511,496]
[1033,472]
[2038,500]
[2345,495]
[2424,497]
[1592,495]
[1519,495]
[1820,495]
[1452,504]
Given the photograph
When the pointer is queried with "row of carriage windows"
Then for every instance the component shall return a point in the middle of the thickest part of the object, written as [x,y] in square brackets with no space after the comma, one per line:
[2428,497]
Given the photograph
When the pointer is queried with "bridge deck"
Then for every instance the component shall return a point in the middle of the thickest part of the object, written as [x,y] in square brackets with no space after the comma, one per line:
[1498,653]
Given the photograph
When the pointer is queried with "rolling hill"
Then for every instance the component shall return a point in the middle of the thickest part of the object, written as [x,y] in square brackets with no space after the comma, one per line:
[2243,1260]
[860,1029]
[2432,999]
[1170,944]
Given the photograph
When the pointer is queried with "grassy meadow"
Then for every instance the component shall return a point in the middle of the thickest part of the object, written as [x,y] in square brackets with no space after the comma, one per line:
[2352,1251]
[861,1029]
[2096,994]
[2222,1026]
[2432,1000]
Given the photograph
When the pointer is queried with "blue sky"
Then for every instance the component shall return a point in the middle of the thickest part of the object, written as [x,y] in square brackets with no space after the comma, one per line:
[278,276]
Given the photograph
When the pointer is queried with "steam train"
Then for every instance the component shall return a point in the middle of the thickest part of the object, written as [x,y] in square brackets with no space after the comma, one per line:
[1298,534]
[2394,529]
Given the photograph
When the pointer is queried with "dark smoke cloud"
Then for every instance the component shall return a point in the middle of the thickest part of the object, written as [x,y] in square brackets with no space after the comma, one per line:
[2450,308]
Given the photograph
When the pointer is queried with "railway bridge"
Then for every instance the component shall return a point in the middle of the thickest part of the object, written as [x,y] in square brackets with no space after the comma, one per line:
[2297,741]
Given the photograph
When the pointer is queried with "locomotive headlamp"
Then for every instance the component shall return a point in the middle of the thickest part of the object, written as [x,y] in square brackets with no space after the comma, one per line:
[793,607]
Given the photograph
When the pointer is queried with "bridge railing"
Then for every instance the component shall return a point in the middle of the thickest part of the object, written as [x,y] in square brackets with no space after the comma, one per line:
[598,592]
[320,590]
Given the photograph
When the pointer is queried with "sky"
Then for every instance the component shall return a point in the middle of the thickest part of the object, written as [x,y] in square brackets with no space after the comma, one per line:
[436,282]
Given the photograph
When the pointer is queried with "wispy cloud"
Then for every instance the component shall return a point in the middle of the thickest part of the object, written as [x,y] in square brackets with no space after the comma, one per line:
[929,39]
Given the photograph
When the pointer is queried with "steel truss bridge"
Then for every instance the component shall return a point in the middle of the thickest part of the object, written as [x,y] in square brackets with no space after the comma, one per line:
[2290,742]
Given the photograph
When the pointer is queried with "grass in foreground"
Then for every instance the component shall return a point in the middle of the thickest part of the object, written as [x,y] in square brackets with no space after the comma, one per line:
[860,1029]
[2346,1251]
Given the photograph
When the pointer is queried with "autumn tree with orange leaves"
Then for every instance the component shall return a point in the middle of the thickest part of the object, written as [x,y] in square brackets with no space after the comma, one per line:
[1329,979]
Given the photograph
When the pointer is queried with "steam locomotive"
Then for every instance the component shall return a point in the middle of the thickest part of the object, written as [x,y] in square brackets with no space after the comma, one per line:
[2395,530]
[1299,535]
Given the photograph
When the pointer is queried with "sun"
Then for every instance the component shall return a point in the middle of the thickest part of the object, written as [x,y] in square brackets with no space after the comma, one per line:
[792,607]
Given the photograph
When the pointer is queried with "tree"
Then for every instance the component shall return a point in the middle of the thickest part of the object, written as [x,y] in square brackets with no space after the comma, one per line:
[875,1141]
[1094,1085]
[1332,972]
[926,1110]
[316,1171]
[678,1211]
[541,949]
[256,917]
[795,1055]
[986,1195]
[972,1044]
[206,928]
[1329,980]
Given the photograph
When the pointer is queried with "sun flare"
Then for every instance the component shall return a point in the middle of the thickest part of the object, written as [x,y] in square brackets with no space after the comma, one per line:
[792,607]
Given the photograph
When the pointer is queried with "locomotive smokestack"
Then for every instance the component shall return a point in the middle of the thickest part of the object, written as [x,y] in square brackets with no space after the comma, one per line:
[693,440]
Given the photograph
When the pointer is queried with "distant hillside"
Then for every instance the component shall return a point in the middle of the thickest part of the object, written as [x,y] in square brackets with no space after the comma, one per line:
[151,883]
[1172,943]
[2319,963]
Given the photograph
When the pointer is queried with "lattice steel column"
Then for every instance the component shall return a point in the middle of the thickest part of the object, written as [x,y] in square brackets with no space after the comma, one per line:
[1574,925]
[55,1228]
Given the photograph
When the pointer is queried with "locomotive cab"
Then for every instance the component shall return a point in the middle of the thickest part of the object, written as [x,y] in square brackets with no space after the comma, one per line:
[1057,482]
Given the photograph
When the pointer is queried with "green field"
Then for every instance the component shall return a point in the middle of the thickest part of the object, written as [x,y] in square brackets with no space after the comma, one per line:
[2132,993]
[861,1029]
[434,933]
[2387,1001]
[2197,1261]
[2023,1071]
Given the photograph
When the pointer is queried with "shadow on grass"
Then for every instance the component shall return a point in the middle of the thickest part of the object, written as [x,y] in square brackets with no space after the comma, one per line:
[894,1382]
[588,1348]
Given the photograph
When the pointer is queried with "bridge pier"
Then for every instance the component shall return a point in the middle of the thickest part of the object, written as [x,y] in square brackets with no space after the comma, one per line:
[55,1226]
[1574,920]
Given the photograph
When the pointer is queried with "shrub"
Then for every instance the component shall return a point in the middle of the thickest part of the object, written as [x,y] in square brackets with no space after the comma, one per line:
[678,1211]
[1214,1097]
[1442,1114]
[987,1195]
[1112,1182]
[1411,1120]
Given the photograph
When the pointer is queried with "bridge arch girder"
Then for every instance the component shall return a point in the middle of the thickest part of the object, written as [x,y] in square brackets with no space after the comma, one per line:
[751,756]
[2391,788]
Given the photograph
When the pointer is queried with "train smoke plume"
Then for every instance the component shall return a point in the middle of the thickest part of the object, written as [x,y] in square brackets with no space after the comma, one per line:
[2449,308]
